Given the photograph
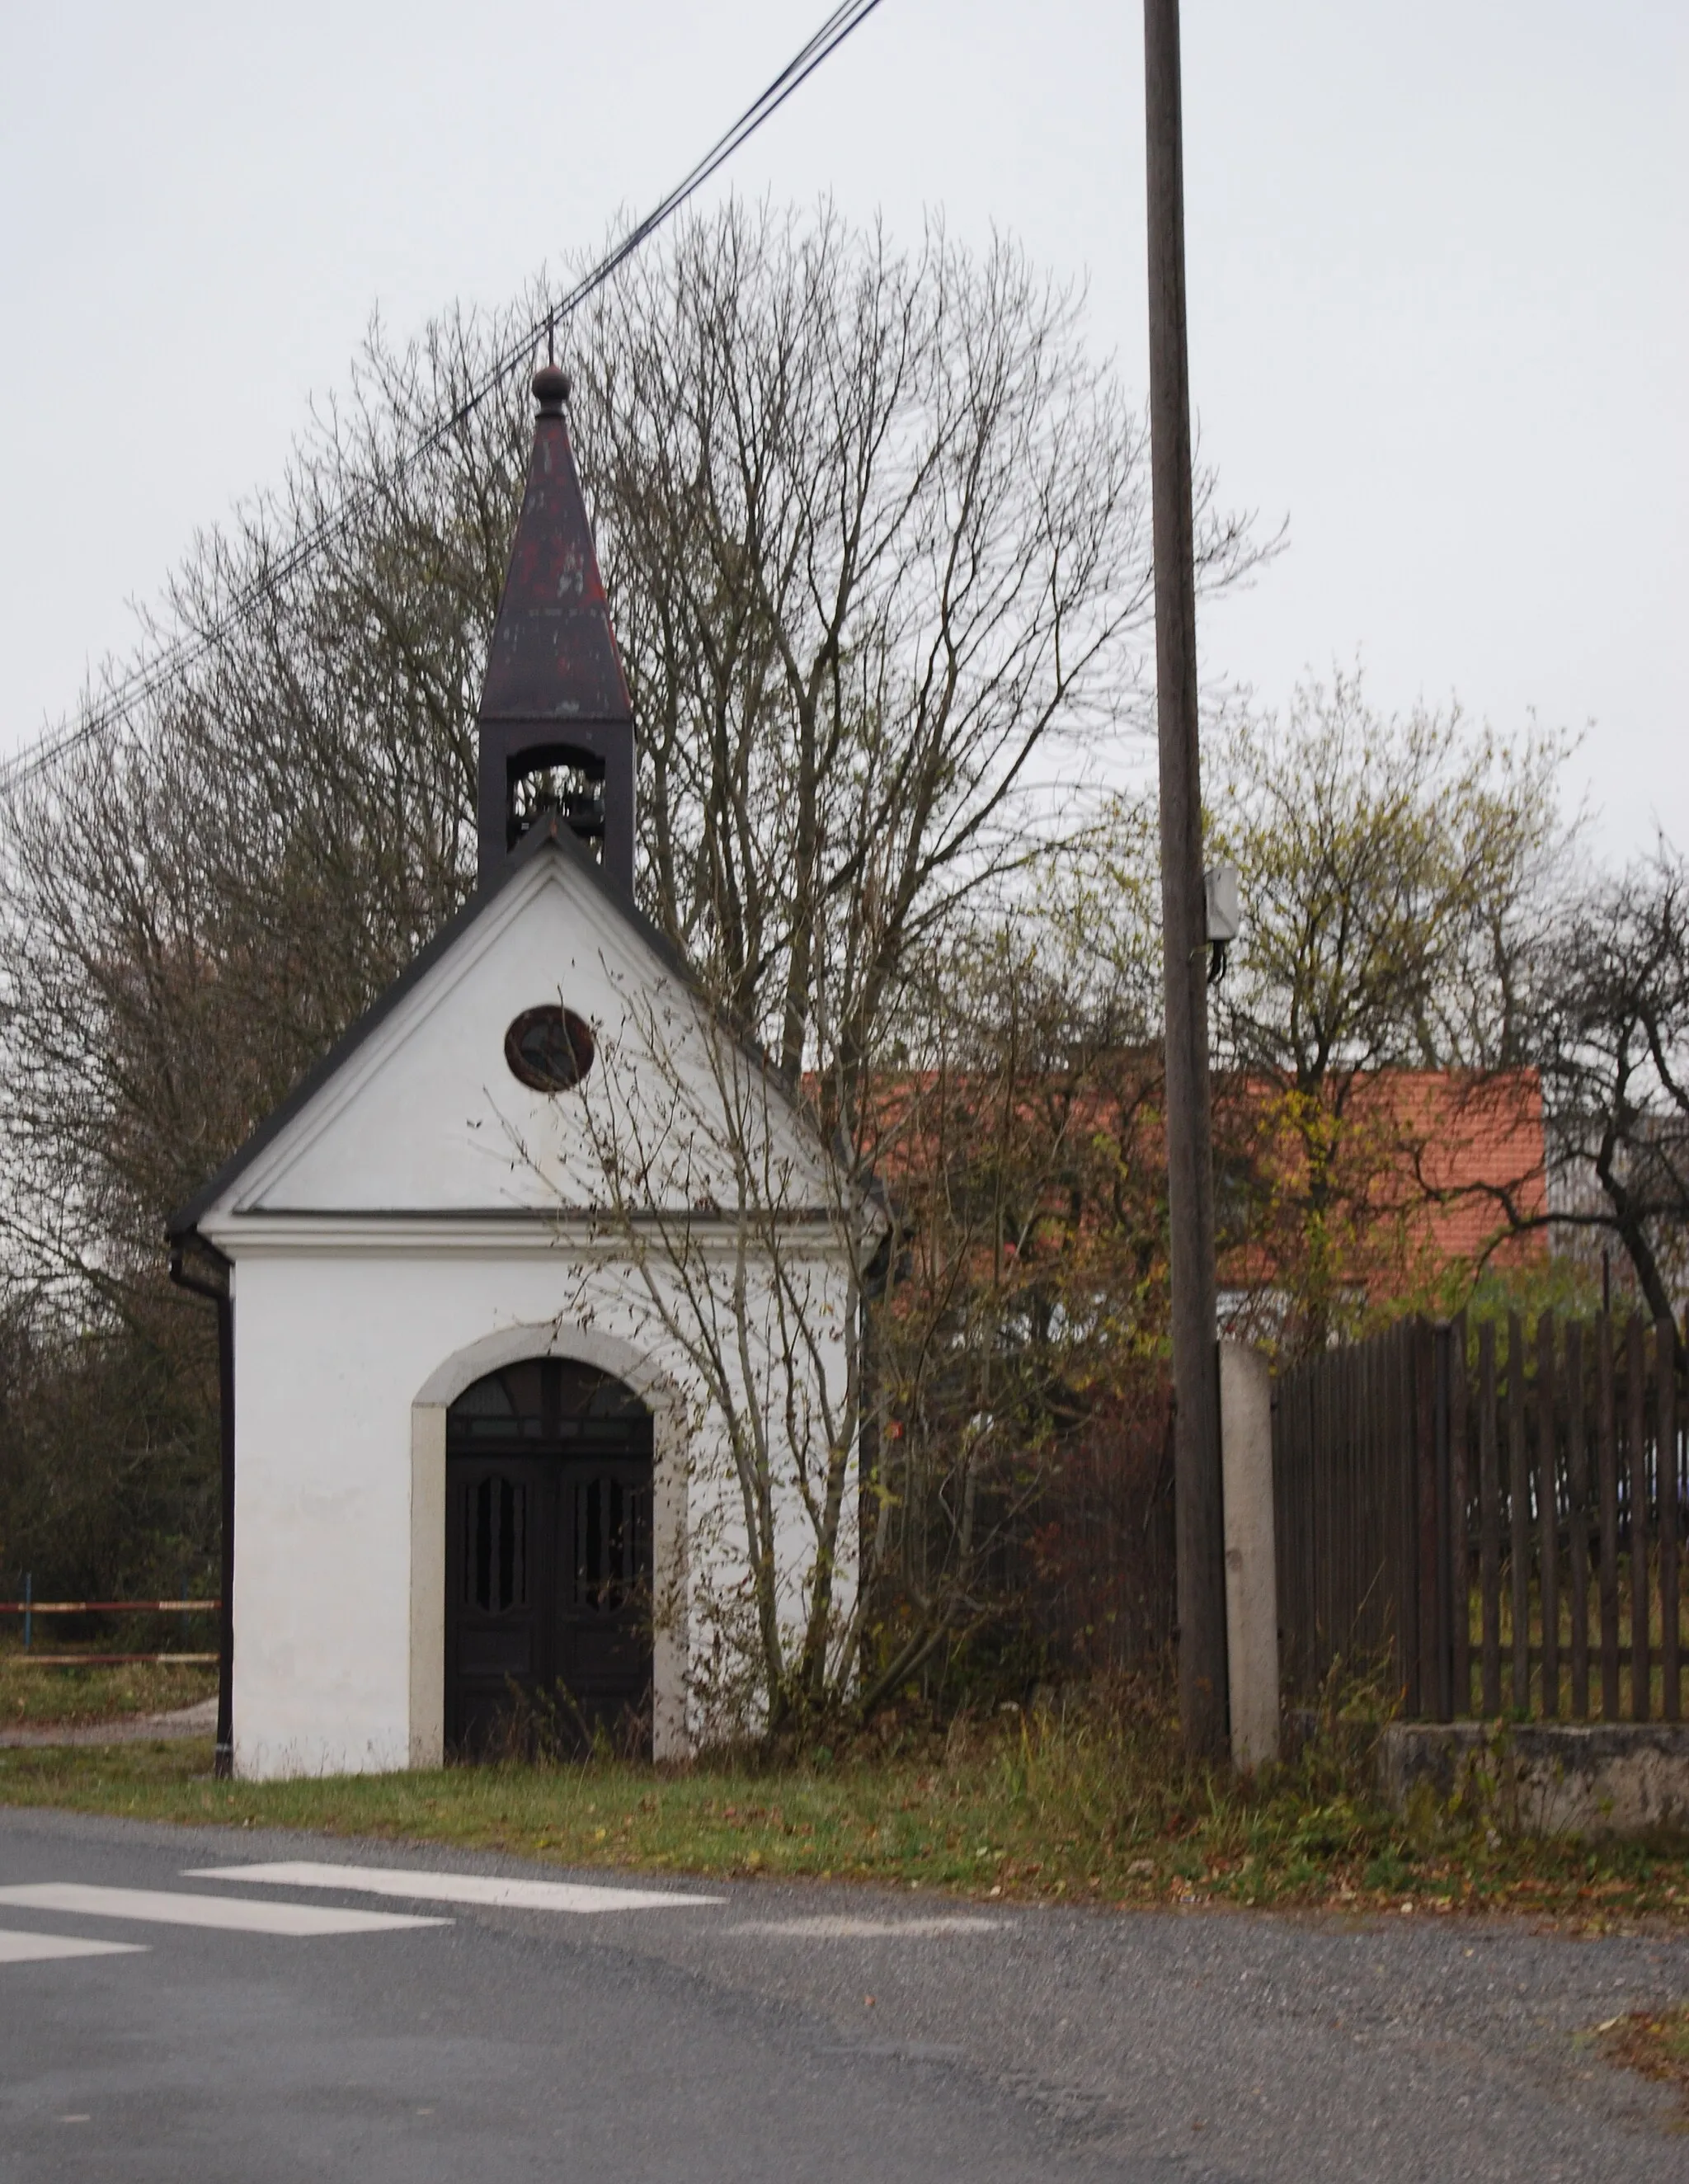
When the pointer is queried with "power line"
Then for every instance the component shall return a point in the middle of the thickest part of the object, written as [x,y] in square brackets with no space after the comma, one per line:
[179,659]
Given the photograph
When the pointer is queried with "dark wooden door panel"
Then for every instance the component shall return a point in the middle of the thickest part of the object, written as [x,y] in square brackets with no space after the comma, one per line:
[499,1650]
[501,1563]
[607,1665]
[603,1613]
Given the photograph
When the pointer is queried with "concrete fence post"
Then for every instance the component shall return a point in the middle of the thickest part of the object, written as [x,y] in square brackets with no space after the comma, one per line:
[1251,1571]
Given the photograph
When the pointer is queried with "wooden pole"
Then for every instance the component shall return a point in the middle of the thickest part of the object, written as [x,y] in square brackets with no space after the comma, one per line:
[1199,1523]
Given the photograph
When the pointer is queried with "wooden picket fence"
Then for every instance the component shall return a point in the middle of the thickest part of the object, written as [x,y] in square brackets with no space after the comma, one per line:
[1494,1525]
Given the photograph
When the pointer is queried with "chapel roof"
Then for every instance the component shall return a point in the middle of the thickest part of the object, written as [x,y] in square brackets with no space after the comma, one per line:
[553,657]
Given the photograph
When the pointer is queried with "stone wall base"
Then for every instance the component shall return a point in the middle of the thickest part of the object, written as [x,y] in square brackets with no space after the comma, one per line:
[1543,1778]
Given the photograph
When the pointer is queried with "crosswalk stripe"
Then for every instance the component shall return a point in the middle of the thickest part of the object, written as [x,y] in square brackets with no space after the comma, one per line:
[17,1948]
[496,1890]
[234,1914]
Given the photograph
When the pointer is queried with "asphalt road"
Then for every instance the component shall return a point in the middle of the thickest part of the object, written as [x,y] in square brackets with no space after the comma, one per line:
[237,2028]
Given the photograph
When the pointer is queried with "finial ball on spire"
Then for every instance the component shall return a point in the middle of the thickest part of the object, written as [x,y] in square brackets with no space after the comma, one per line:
[551,389]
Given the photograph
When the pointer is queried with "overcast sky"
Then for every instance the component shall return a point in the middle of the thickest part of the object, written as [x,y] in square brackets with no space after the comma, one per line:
[1437,257]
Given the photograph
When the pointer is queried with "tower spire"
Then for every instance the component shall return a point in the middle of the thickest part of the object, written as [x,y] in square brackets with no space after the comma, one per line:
[555,705]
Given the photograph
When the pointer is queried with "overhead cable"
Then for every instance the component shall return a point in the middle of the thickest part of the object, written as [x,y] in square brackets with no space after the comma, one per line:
[175,660]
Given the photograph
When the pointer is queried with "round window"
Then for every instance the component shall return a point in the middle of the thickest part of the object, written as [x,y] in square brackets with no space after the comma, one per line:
[550,1048]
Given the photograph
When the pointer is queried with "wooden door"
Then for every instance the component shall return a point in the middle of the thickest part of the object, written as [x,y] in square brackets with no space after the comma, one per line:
[548,1560]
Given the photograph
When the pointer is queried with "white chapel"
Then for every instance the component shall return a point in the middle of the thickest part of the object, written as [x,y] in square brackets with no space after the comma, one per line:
[473,1454]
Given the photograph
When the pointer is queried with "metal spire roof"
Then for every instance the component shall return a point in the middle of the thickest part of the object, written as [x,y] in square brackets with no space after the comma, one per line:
[554,696]
[553,656]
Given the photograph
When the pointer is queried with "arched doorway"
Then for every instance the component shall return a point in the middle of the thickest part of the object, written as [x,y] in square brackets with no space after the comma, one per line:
[548,1554]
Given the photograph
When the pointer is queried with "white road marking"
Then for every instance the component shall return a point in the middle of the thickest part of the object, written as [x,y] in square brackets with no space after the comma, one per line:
[17,1948]
[842,1927]
[236,1915]
[422,1887]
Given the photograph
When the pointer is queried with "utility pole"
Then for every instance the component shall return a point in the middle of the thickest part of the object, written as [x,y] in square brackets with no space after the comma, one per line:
[1198,1521]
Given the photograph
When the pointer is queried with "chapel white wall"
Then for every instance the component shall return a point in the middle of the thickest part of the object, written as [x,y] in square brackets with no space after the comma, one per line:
[338,1662]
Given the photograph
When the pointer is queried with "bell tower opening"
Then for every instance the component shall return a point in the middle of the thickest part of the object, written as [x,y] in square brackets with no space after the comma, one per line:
[555,721]
[559,780]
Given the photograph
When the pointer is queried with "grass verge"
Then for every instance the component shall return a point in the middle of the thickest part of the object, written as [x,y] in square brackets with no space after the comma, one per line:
[1087,1806]
[35,1697]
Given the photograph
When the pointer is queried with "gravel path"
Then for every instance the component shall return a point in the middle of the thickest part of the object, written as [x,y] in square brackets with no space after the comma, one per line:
[199,1720]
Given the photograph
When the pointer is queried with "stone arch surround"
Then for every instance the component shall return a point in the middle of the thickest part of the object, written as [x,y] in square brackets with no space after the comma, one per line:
[509,1345]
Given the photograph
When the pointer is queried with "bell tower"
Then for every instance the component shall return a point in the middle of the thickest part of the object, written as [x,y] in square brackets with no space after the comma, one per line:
[555,723]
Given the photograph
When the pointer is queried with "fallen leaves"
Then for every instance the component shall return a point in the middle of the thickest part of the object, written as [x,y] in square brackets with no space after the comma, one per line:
[1653,2043]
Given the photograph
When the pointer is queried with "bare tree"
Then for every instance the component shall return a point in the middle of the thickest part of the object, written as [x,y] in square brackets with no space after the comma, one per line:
[875,531]
[1615,1043]
[934,1326]
[701,1215]
[193,908]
